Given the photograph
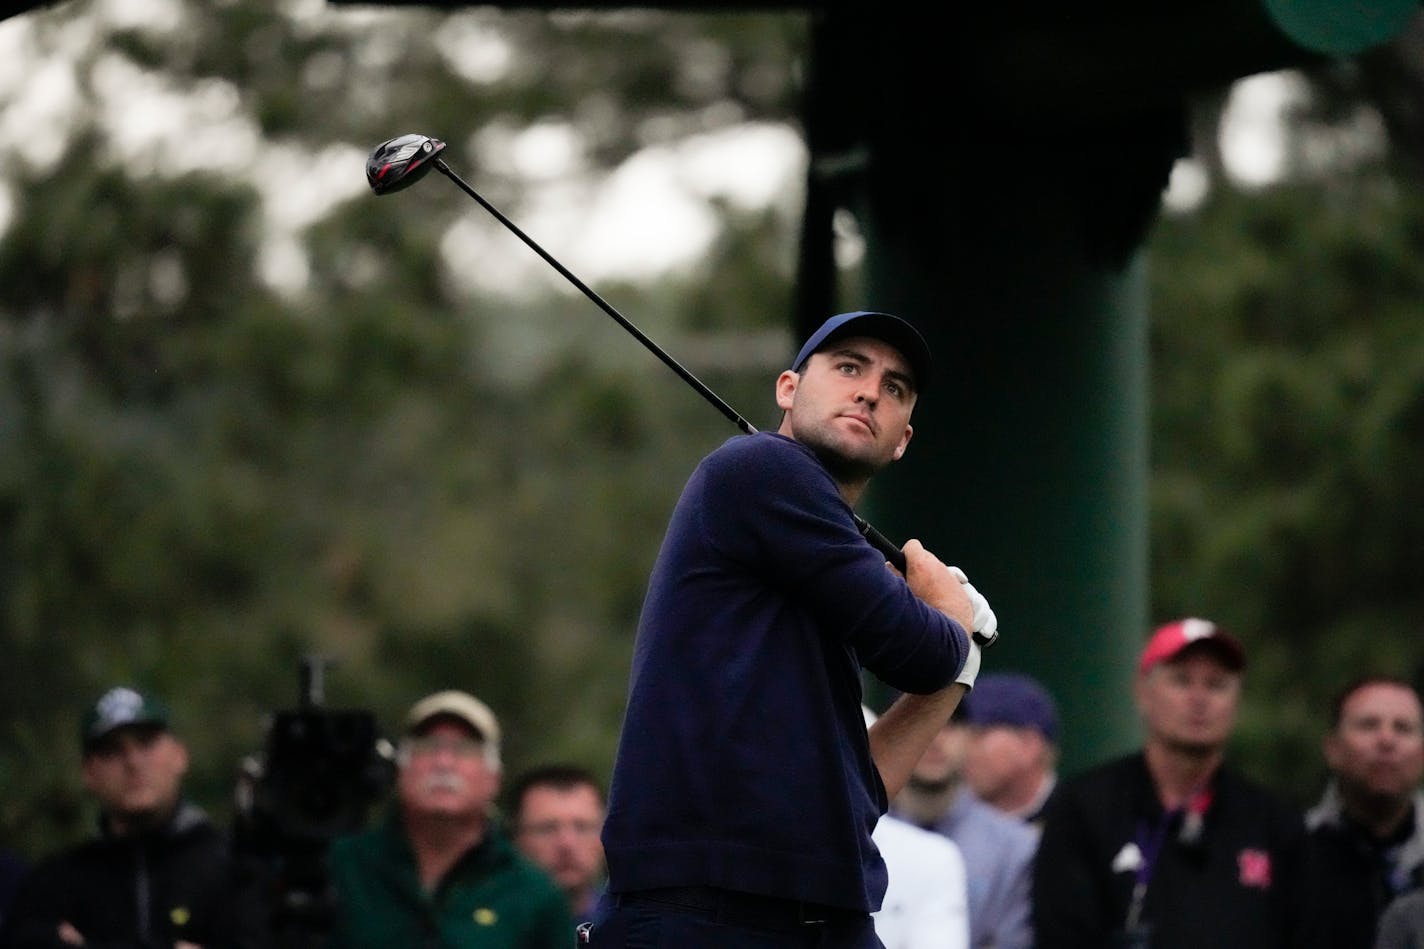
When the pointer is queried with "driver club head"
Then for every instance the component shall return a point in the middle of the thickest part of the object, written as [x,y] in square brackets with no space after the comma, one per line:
[401,162]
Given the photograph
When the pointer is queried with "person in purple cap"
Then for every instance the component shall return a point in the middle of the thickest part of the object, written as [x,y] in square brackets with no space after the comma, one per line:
[1168,847]
[746,786]
[1012,759]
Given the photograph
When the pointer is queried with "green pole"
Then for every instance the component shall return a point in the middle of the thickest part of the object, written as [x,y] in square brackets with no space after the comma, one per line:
[1018,255]
[1029,463]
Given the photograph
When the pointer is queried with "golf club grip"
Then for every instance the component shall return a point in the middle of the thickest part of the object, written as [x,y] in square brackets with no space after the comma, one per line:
[896,556]
[880,542]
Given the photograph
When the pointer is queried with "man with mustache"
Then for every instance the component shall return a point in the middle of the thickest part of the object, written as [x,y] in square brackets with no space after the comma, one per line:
[439,870]
[1369,826]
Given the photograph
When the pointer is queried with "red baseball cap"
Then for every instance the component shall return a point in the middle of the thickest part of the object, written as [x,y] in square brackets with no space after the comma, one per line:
[1168,642]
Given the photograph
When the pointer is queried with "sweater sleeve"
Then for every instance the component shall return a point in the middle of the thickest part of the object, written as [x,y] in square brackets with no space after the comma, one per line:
[772,506]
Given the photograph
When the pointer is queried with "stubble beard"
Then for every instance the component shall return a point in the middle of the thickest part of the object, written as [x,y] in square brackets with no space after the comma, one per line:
[843,467]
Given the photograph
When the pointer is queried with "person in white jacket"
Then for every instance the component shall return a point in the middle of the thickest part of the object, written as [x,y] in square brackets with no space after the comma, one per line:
[926,904]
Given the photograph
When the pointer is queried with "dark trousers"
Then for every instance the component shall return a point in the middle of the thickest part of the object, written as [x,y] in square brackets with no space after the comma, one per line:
[651,921]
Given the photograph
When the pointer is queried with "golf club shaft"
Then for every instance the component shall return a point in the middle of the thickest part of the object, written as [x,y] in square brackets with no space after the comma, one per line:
[603,304]
[877,540]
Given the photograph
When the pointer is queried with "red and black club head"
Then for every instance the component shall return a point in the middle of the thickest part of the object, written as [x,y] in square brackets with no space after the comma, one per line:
[401,162]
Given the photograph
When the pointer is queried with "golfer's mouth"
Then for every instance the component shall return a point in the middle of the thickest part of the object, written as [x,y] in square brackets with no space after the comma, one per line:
[862,419]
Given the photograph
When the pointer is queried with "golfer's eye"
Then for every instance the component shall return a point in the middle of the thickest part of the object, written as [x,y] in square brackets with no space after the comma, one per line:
[895,389]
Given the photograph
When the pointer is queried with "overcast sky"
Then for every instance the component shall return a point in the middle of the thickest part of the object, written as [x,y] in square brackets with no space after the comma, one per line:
[649,215]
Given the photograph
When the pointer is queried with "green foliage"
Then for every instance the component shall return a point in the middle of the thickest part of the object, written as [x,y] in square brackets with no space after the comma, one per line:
[1288,502]
[203,479]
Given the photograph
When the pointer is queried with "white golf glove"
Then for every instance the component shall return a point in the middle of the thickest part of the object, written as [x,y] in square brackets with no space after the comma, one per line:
[970,672]
[986,624]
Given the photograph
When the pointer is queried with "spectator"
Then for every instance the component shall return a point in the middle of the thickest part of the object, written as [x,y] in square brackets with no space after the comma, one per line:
[1402,925]
[438,870]
[1012,760]
[926,902]
[159,873]
[1167,847]
[997,849]
[557,815]
[1369,826]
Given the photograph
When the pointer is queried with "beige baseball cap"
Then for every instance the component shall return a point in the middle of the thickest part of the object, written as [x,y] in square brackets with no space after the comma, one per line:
[454,704]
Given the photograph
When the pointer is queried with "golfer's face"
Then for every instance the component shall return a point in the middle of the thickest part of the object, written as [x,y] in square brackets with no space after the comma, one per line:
[852,401]
[1190,703]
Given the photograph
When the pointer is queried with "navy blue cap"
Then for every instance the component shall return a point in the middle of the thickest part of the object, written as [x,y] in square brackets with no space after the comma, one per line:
[1018,701]
[881,326]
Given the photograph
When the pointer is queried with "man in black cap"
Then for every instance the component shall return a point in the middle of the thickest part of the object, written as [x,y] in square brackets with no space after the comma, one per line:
[746,787]
[159,873]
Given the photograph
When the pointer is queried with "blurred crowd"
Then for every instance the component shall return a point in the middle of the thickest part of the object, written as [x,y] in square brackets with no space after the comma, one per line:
[987,845]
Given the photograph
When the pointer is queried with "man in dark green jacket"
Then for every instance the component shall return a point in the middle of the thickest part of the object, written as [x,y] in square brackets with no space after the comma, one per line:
[439,872]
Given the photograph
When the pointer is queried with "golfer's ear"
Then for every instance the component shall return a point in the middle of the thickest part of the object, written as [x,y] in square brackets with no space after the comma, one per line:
[786,389]
[904,442]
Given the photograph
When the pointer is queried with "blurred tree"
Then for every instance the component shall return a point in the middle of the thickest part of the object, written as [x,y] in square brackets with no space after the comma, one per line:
[206,475]
[243,420]
[1287,383]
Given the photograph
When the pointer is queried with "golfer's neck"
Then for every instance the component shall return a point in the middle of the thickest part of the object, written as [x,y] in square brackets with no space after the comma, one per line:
[852,492]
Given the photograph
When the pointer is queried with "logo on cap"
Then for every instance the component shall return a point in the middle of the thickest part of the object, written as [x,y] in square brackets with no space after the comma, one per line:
[120,705]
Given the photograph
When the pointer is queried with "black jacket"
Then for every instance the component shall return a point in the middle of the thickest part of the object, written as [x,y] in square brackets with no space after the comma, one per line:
[1360,874]
[179,882]
[1239,876]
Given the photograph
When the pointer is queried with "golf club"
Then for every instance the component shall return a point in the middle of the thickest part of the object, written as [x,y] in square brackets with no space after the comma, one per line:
[402,161]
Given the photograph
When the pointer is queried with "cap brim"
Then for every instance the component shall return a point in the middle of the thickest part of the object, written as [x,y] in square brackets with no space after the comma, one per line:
[1221,645]
[882,326]
[99,734]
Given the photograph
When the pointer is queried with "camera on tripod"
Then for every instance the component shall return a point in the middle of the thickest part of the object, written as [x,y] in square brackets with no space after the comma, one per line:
[318,775]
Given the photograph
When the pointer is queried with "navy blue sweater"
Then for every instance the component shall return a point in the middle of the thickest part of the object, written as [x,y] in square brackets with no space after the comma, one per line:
[743,761]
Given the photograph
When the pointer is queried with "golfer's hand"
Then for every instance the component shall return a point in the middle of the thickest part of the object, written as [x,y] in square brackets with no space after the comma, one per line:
[937,585]
[986,624]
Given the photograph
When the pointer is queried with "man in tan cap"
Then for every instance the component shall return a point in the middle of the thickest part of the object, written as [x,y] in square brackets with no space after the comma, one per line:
[440,862]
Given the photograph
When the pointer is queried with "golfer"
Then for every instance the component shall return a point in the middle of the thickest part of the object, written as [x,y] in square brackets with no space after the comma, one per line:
[746,787]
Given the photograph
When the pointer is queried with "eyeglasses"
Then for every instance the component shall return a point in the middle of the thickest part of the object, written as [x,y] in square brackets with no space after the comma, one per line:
[424,745]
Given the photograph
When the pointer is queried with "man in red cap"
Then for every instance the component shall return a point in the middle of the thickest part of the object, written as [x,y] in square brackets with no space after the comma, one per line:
[1167,847]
